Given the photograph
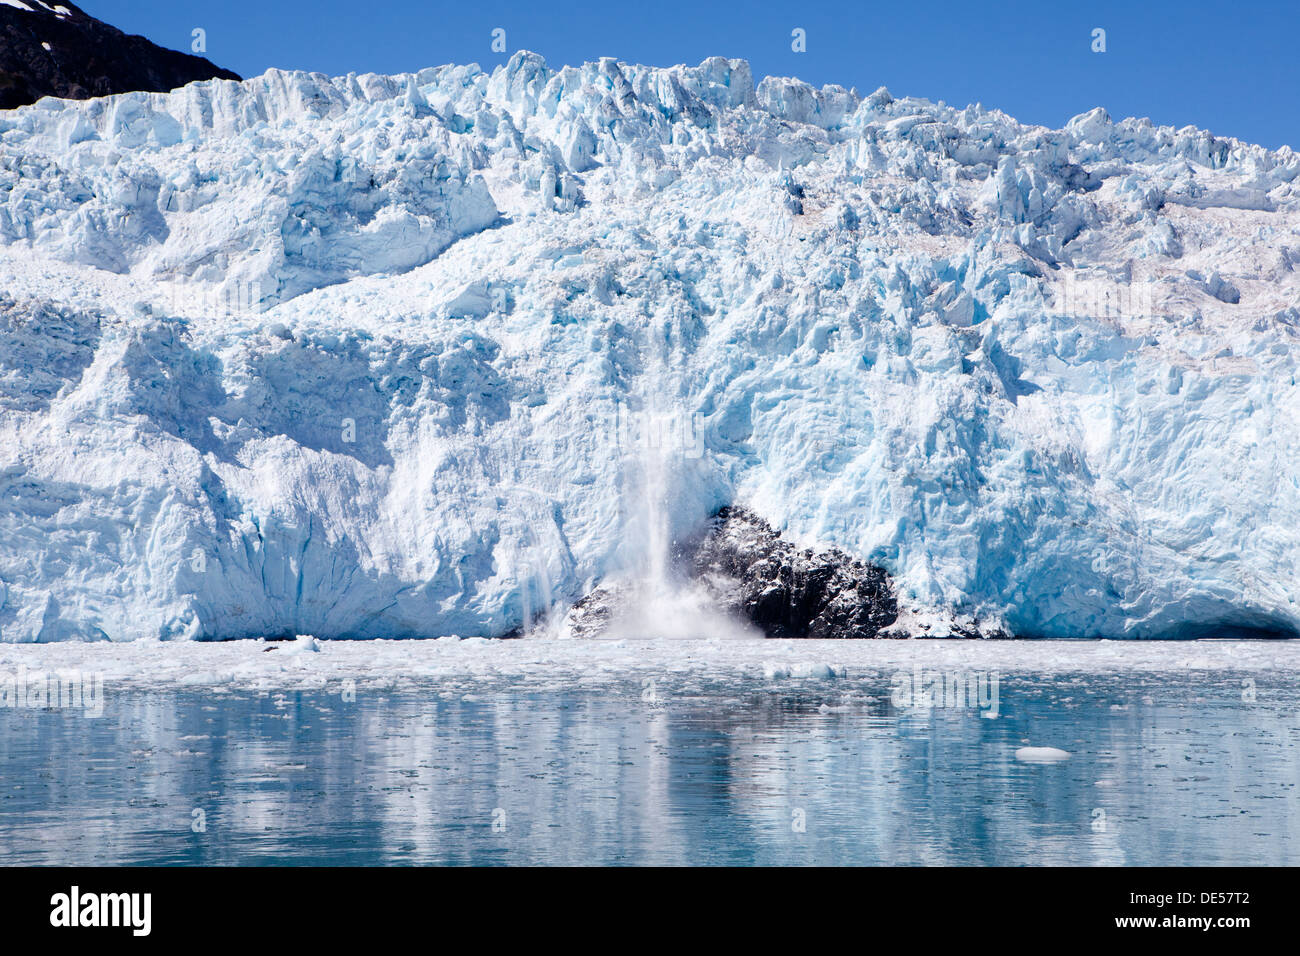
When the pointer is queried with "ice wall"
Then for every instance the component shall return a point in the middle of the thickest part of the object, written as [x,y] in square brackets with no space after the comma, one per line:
[366,356]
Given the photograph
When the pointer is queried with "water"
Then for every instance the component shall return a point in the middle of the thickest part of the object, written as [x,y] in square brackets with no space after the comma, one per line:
[688,770]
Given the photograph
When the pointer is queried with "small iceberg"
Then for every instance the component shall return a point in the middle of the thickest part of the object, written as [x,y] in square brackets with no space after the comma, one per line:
[807,669]
[1041,755]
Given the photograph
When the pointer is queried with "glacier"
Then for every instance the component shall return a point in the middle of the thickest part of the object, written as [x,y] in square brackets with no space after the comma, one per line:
[385,356]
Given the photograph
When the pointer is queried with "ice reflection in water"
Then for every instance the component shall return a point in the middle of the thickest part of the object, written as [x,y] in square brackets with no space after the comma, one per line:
[1173,771]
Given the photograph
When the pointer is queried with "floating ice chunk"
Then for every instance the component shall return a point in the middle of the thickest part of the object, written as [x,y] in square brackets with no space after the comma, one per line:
[1041,755]
[799,669]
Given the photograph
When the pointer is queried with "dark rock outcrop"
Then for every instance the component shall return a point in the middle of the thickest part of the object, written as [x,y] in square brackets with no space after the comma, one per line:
[53,48]
[592,615]
[785,591]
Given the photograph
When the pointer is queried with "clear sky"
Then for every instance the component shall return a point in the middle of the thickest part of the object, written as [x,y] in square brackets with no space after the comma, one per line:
[1229,67]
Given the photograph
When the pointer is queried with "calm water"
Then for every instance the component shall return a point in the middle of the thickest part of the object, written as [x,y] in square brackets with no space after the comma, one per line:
[1163,771]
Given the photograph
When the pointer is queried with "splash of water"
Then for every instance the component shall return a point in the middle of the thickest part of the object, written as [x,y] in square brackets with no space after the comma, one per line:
[652,599]
[662,603]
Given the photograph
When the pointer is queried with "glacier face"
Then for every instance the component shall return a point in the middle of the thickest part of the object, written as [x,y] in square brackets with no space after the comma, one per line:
[385,356]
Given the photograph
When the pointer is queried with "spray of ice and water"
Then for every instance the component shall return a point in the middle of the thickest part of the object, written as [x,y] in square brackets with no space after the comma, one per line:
[653,599]
[663,457]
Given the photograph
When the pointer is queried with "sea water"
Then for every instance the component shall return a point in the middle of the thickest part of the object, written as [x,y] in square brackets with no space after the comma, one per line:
[869,762]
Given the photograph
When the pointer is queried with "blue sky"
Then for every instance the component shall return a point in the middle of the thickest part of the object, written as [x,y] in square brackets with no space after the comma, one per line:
[1227,67]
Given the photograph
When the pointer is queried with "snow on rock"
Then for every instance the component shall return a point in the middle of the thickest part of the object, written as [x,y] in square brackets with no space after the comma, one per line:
[353,356]
[750,572]
[89,57]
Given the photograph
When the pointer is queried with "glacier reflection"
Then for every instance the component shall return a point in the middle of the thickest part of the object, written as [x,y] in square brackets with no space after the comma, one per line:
[771,772]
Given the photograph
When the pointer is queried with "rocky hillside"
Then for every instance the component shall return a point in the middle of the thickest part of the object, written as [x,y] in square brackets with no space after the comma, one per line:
[56,49]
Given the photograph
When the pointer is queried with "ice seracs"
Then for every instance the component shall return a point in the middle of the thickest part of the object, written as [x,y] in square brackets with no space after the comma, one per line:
[347,356]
